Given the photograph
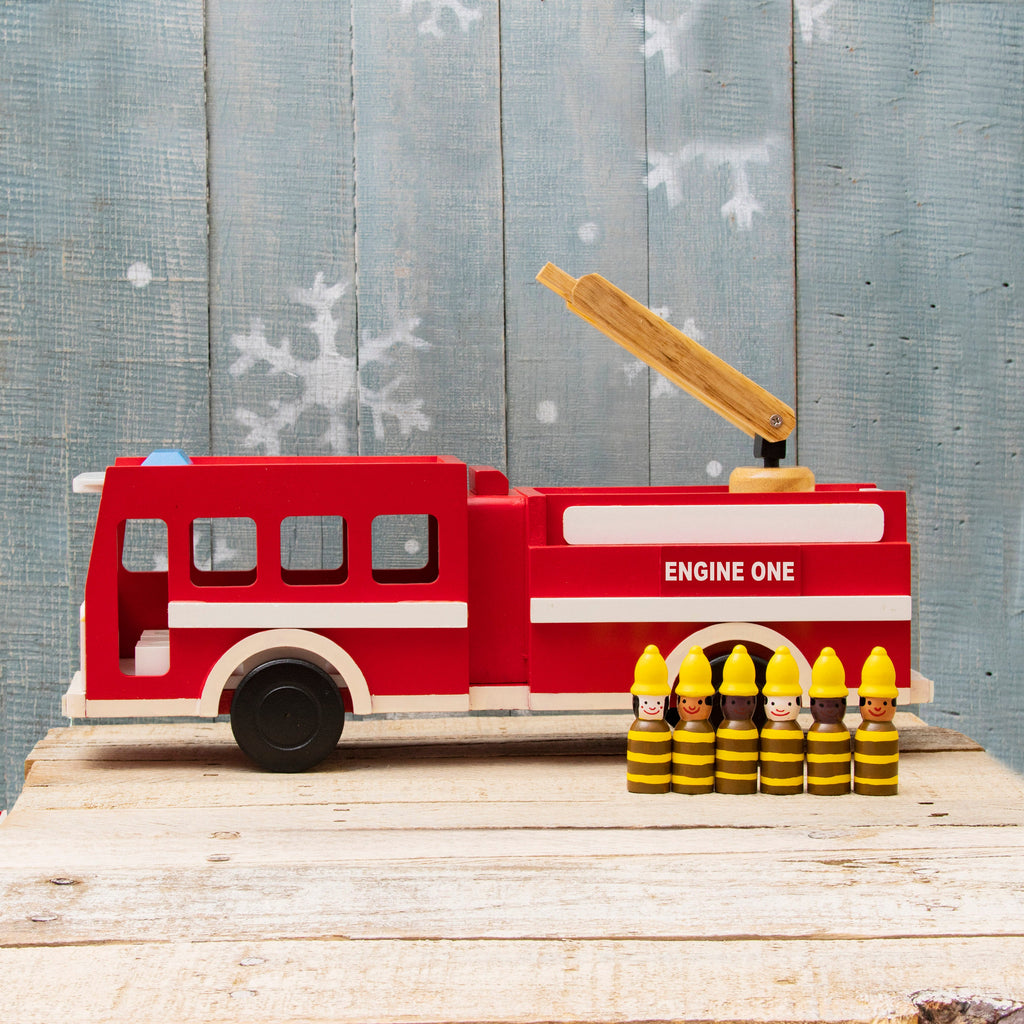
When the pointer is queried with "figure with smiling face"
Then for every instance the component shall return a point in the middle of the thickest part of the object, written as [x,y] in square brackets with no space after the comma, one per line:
[693,742]
[782,739]
[736,740]
[649,743]
[876,744]
[828,739]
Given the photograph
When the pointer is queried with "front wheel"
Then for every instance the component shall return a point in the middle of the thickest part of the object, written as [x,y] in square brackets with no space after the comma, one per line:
[287,715]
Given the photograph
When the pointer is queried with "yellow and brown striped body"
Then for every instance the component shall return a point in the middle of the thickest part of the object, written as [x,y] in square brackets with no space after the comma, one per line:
[782,758]
[649,756]
[876,754]
[693,757]
[828,759]
[736,757]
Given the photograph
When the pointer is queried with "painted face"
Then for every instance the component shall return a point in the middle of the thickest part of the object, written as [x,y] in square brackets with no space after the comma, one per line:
[828,710]
[738,707]
[694,709]
[877,709]
[781,709]
[652,707]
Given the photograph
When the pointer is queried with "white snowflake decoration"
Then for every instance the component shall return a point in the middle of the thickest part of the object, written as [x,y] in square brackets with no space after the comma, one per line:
[669,38]
[330,380]
[432,26]
[811,15]
[667,168]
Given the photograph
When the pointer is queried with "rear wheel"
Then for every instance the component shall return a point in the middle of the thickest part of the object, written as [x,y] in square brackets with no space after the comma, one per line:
[287,715]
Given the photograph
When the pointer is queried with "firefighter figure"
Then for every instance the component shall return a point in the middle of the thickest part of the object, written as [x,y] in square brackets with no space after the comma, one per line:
[876,744]
[828,739]
[693,742]
[649,743]
[736,740]
[782,739]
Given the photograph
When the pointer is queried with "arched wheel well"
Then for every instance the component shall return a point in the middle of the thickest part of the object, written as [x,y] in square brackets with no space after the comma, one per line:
[269,645]
[717,642]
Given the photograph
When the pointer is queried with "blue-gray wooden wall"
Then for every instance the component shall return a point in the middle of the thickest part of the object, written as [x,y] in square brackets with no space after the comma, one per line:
[314,225]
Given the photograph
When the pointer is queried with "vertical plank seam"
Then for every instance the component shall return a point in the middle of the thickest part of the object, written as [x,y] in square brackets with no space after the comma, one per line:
[647,230]
[795,454]
[504,247]
[208,199]
[355,218]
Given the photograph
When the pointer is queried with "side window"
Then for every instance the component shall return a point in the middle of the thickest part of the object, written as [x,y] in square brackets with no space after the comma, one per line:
[314,550]
[223,552]
[142,639]
[144,545]
[405,549]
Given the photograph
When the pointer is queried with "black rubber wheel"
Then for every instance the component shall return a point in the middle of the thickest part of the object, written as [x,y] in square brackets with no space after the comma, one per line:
[287,715]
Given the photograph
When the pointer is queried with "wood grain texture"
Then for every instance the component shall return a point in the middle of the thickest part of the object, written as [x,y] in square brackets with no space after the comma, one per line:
[429,215]
[104,309]
[282,218]
[420,879]
[676,356]
[456,147]
[720,175]
[573,136]
[909,259]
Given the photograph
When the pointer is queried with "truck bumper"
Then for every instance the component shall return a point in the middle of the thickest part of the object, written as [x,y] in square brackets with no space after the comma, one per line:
[72,704]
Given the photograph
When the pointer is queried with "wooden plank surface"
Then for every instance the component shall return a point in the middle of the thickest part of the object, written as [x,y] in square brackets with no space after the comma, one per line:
[910,316]
[103,298]
[283,291]
[429,220]
[720,178]
[495,869]
[844,142]
[573,139]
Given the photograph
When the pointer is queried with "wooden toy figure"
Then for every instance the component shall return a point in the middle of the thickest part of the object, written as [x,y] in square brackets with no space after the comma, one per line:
[828,739]
[876,744]
[782,739]
[649,743]
[736,740]
[693,742]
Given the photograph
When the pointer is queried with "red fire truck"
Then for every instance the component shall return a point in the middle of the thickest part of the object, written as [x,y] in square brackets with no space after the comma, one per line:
[288,592]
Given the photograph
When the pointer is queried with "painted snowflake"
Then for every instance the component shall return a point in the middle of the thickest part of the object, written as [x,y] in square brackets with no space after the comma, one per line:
[330,381]
[739,209]
[811,17]
[431,26]
[671,39]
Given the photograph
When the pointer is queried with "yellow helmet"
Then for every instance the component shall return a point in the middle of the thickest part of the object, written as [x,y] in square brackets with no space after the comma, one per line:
[828,677]
[695,675]
[650,678]
[878,676]
[782,677]
[738,674]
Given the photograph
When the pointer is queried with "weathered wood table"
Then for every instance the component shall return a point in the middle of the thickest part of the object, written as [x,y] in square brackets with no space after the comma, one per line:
[496,869]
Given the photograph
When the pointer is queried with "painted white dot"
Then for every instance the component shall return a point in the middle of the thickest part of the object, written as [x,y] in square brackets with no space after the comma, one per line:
[412,546]
[589,233]
[139,274]
[713,469]
[547,412]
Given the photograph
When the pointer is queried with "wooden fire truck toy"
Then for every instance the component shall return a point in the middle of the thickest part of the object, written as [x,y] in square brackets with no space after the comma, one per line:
[437,587]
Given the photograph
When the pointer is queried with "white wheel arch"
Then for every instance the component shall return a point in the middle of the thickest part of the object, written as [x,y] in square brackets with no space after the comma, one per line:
[284,643]
[738,633]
